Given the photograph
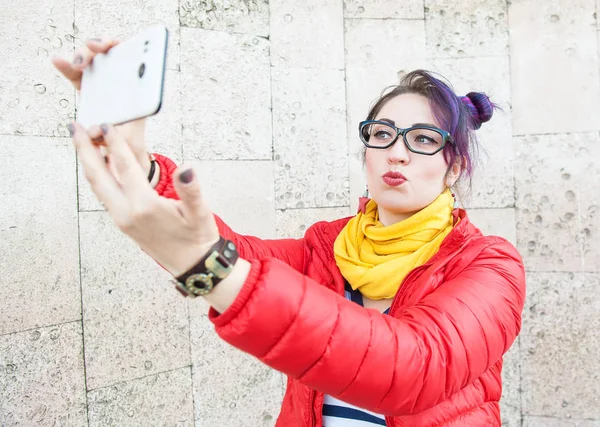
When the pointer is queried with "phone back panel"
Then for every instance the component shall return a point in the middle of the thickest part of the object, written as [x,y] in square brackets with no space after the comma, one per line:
[126,83]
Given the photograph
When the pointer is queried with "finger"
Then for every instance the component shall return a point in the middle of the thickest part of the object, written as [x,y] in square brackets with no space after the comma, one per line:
[82,58]
[194,208]
[133,179]
[102,44]
[96,135]
[66,69]
[103,184]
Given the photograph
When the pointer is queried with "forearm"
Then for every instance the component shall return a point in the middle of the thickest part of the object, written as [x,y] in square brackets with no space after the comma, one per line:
[225,293]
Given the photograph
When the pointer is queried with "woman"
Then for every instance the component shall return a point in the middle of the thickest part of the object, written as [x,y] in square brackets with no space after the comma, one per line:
[398,316]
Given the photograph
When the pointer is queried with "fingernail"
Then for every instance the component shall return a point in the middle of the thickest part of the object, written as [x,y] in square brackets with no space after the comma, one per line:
[78,59]
[71,129]
[104,128]
[96,39]
[187,176]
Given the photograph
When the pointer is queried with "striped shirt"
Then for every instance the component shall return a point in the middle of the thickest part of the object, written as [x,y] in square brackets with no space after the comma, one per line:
[341,414]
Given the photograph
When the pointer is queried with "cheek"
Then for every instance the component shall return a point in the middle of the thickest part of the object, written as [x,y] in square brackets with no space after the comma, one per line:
[371,164]
[434,170]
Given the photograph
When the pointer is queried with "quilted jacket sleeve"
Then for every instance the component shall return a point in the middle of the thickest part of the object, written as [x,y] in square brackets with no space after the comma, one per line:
[290,251]
[394,366]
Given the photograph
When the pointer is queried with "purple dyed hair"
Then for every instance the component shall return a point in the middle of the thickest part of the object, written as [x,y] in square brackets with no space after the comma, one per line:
[460,116]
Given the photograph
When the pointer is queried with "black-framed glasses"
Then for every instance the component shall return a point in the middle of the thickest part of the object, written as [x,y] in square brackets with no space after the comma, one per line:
[420,139]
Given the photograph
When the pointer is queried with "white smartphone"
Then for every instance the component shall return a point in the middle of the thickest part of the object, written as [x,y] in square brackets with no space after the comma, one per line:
[127,82]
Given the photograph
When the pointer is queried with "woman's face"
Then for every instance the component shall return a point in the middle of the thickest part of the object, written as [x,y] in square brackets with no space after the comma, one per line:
[426,177]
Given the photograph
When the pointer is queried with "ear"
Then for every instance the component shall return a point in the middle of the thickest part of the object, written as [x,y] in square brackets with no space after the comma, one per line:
[454,172]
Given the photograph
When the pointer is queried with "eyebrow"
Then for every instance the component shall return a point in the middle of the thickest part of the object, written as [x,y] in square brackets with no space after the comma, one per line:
[393,123]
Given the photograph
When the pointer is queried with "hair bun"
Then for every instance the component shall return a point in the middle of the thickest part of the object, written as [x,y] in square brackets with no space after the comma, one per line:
[480,107]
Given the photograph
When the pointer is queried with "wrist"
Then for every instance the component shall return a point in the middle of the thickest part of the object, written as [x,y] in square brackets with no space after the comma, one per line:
[218,276]
[217,264]
[145,161]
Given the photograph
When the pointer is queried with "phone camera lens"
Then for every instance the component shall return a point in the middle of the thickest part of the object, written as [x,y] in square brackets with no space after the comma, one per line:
[142,70]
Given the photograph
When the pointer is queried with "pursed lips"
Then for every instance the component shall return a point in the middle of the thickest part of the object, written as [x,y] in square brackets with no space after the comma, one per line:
[394,179]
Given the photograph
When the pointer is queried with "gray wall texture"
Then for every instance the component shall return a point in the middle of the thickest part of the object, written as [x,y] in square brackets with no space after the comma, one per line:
[267,96]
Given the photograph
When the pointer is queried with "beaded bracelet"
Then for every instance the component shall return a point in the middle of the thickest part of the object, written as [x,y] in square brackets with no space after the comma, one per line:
[152,167]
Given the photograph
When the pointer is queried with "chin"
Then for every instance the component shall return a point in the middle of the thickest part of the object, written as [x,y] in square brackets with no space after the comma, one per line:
[396,209]
[396,203]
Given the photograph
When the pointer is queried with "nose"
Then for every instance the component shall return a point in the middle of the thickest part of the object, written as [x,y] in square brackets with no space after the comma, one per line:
[398,153]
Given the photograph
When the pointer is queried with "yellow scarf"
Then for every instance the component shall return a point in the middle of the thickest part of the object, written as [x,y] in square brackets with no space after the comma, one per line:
[375,259]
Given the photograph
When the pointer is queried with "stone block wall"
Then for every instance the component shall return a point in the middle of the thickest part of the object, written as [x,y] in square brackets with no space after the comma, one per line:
[266,96]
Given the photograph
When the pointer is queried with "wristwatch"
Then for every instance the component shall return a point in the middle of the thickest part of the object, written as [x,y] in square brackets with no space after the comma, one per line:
[215,266]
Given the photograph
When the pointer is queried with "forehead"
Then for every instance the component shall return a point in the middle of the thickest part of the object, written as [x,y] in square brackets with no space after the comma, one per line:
[407,109]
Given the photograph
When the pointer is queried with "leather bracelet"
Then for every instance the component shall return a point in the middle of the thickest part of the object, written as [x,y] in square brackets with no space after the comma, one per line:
[215,266]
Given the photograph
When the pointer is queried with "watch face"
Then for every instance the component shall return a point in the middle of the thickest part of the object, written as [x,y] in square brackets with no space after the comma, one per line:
[199,284]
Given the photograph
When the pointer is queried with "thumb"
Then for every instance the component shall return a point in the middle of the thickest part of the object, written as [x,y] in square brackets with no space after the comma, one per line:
[187,185]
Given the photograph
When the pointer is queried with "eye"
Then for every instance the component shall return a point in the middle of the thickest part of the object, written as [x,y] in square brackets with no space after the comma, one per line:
[382,134]
[424,139]
[378,134]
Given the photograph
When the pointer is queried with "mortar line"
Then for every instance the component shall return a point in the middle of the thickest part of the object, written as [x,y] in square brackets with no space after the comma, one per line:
[271,109]
[191,361]
[283,384]
[226,31]
[520,389]
[166,371]
[494,208]
[181,140]
[384,19]
[81,292]
[589,272]
[231,160]
[87,411]
[32,135]
[39,327]
[580,231]
[524,135]
[348,144]
[514,149]
[425,28]
[558,417]
[181,149]
[312,207]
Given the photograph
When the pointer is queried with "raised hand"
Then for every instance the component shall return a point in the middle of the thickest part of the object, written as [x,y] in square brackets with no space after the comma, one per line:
[133,132]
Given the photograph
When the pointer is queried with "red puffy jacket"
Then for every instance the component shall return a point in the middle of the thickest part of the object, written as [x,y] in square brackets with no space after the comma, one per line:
[435,360]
